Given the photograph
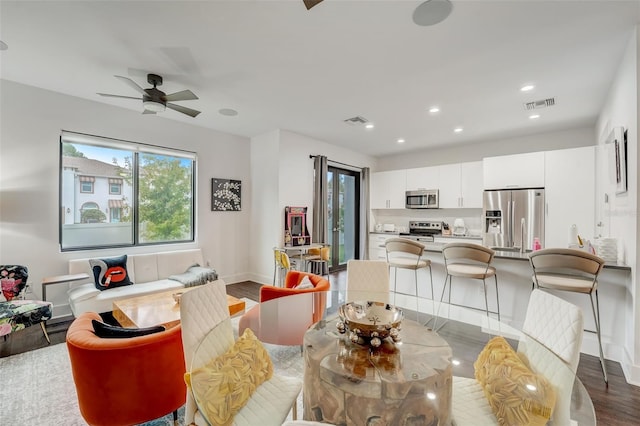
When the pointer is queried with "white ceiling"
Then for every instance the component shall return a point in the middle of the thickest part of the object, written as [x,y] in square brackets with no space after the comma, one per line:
[281,66]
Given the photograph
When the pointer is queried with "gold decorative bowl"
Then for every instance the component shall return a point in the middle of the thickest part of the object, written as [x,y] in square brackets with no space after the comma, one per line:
[370,322]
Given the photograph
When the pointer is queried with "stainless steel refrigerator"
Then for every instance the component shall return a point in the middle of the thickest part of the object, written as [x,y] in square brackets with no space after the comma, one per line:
[511,215]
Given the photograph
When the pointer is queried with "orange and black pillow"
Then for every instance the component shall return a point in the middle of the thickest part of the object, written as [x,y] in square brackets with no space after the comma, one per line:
[110,272]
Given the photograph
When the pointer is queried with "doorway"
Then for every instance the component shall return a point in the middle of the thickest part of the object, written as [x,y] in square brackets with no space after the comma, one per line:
[343,219]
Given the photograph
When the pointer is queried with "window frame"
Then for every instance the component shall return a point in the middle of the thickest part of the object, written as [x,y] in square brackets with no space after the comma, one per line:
[136,149]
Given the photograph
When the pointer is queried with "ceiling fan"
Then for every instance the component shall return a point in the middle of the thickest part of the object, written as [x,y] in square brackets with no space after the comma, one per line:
[310,3]
[155,100]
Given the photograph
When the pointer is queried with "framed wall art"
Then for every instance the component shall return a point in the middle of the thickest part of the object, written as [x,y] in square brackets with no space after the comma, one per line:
[617,141]
[226,195]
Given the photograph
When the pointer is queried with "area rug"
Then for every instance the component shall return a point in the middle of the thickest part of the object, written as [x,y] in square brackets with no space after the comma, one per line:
[38,389]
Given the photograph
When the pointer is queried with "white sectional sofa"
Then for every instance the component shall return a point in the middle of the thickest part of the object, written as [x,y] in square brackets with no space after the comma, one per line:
[148,272]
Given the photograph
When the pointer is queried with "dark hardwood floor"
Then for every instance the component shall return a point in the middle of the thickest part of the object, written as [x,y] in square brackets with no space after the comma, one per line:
[616,404]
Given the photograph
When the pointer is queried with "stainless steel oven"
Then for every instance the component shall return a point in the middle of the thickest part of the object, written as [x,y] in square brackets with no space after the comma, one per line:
[422,199]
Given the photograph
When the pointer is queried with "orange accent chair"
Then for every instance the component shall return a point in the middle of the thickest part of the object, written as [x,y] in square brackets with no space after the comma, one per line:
[126,381]
[292,279]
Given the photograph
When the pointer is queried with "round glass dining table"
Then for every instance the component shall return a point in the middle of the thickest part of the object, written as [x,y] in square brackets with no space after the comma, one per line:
[411,380]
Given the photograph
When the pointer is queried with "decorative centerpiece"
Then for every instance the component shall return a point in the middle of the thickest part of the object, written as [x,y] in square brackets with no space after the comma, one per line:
[370,322]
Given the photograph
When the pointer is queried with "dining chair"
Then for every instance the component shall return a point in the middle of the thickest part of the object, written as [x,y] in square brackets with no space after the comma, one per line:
[571,270]
[318,260]
[281,265]
[552,337]
[471,261]
[403,253]
[367,280]
[205,309]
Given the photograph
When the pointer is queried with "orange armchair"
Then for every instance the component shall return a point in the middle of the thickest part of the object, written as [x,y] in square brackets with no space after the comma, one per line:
[292,279]
[126,381]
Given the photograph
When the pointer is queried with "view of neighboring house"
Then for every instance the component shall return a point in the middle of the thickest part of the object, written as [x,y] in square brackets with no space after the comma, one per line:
[93,185]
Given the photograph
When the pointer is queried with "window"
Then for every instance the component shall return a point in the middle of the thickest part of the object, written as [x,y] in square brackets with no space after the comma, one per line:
[117,193]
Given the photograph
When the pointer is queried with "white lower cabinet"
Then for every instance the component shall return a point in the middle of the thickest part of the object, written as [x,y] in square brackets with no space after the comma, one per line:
[377,250]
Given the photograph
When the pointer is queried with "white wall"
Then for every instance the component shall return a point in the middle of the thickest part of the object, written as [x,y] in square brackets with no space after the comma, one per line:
[572,138]
[620,214]
[31,120]
[295,188]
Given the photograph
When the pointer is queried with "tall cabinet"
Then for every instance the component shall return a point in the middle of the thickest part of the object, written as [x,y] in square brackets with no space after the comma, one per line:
[569,181]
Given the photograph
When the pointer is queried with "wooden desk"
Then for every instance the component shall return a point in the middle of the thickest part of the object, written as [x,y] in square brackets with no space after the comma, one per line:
[302,255]
[158,309]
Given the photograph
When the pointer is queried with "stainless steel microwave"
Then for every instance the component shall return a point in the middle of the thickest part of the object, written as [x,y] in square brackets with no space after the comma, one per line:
[422,199]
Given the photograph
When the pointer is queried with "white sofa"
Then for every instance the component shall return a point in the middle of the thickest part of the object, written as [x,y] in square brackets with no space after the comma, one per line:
[148,272]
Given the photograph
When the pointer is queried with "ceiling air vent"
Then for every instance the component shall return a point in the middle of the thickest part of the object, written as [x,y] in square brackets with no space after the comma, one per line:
[543,103]
[355,121]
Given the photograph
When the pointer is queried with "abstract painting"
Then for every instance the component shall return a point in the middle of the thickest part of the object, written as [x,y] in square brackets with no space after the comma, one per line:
[226,195]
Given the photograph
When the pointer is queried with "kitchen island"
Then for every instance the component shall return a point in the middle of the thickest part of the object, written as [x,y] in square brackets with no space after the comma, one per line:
[514,286]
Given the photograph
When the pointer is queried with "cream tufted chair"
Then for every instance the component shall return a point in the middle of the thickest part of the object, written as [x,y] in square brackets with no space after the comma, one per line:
[557,326]
[367,280]
[204,309]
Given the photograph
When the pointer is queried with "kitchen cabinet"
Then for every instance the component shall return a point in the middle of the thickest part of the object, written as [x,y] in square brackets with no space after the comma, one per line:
[388,189]
[377,251]
[569,193]
[460,185]
[422,178]
[514,171]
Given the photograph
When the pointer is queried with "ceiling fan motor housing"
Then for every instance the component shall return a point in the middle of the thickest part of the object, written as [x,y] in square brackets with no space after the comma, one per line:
[154,79]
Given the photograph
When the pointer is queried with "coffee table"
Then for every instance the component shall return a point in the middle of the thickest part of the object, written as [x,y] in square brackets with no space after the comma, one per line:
[159,309]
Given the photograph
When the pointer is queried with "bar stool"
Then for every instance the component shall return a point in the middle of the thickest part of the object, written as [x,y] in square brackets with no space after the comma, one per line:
[570,270]
[403,253]
[466,260]
[318,260]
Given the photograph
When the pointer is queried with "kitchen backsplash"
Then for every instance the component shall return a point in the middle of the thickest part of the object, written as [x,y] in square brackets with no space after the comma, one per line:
[400,218]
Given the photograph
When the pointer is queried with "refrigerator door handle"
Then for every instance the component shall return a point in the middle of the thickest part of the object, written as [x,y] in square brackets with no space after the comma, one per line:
[512,207]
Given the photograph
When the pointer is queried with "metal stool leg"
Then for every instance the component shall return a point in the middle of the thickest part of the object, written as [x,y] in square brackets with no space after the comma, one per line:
[486,303]
[495,276]
[417,300]
[596,317]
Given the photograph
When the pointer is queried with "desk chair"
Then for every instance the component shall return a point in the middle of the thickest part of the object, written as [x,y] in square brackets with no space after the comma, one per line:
[367,280]
[570,270]
[557,325]
[318,260]
[403,253]
[281,265]
[466,260]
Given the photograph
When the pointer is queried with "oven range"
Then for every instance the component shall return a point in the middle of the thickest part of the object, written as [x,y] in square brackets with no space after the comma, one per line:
[422,231]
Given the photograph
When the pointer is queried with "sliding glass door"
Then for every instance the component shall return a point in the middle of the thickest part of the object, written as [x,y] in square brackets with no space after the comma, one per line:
[343,223]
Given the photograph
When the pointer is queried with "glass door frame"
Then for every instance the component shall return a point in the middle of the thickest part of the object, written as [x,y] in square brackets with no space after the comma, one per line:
[333,229]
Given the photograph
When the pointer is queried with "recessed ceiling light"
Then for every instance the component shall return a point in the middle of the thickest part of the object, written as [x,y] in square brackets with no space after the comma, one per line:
[228,112]
[458,129]
[3,45]
[369,126]
[527,88]
[434,109]
[534,116]
[400,140]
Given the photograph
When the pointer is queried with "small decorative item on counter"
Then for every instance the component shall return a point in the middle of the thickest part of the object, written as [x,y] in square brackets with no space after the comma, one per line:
[445,229]
[573,236]
[536,244]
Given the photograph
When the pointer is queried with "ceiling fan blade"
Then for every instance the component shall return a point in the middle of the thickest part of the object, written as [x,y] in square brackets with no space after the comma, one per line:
[310,3]
[118,96]
[131,83]
[184,110]
[185,95]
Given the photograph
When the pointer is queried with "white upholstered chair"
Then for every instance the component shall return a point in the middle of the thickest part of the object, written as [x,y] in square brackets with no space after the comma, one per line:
[570,270]
[557,325]
[204,309]
[367,280]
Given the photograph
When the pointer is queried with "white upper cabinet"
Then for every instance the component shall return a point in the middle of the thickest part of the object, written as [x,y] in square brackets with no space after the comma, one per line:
[471,187]
[388,189]
[449,187]
[514,171]
[461,185]
[422,178]
[569,194]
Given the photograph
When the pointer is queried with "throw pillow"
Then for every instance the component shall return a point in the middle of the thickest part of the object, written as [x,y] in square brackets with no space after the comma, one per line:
[305,283]
[110,272]
[516,395]
[226,383]
[114,332]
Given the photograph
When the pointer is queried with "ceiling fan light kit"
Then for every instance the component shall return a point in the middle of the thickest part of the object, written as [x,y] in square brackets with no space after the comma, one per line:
[155,100]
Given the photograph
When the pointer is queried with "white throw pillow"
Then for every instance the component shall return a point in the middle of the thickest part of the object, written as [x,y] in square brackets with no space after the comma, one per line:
[304,284]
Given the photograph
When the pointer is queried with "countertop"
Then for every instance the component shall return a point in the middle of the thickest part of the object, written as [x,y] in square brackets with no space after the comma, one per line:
[500,254]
